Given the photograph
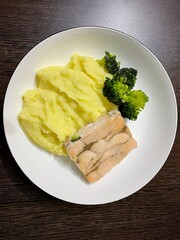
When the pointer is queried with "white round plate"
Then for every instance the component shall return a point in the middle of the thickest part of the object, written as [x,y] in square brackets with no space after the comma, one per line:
[154,129]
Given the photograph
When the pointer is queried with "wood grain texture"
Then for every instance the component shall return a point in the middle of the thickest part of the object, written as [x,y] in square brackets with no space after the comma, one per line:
[26,212]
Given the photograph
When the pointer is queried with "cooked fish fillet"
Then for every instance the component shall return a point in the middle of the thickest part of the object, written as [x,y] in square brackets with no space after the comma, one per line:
[101,145]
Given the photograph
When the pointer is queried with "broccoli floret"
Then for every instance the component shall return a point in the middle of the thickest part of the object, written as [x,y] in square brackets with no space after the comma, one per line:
[130,103]
[134,103]
[110,63]
[115,90]
[118,89]
[130,76]
[126,76]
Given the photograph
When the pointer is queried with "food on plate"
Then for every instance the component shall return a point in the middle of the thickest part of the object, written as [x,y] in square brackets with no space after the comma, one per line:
[110,63]
[65,100]
[99,146]
[118,88]
[79,109]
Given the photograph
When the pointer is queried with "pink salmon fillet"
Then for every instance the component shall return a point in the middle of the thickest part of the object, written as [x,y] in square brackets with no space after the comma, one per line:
[101,145]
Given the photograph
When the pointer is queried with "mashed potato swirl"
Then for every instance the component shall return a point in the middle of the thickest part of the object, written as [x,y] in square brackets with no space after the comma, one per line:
[65,100]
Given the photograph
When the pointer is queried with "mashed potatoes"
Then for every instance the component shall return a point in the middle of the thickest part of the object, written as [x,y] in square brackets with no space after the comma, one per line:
[66,99]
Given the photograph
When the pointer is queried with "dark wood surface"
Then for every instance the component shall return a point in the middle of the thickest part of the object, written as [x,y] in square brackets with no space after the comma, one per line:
[26,212]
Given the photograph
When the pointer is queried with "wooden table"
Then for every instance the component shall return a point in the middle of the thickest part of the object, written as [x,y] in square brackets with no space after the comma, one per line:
[26,212]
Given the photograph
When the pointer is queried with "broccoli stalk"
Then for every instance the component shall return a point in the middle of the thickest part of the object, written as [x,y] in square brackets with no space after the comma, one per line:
[118,89]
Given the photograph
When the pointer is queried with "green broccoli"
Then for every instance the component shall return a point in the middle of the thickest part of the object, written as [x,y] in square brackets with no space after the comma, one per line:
[126,76]
[115,90]
[118,89]
[75,138]
[129,75]
[135,102]
[130,102]
[109,63]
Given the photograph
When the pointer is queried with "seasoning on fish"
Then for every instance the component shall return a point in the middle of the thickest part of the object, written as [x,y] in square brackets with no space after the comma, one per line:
[99,146]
